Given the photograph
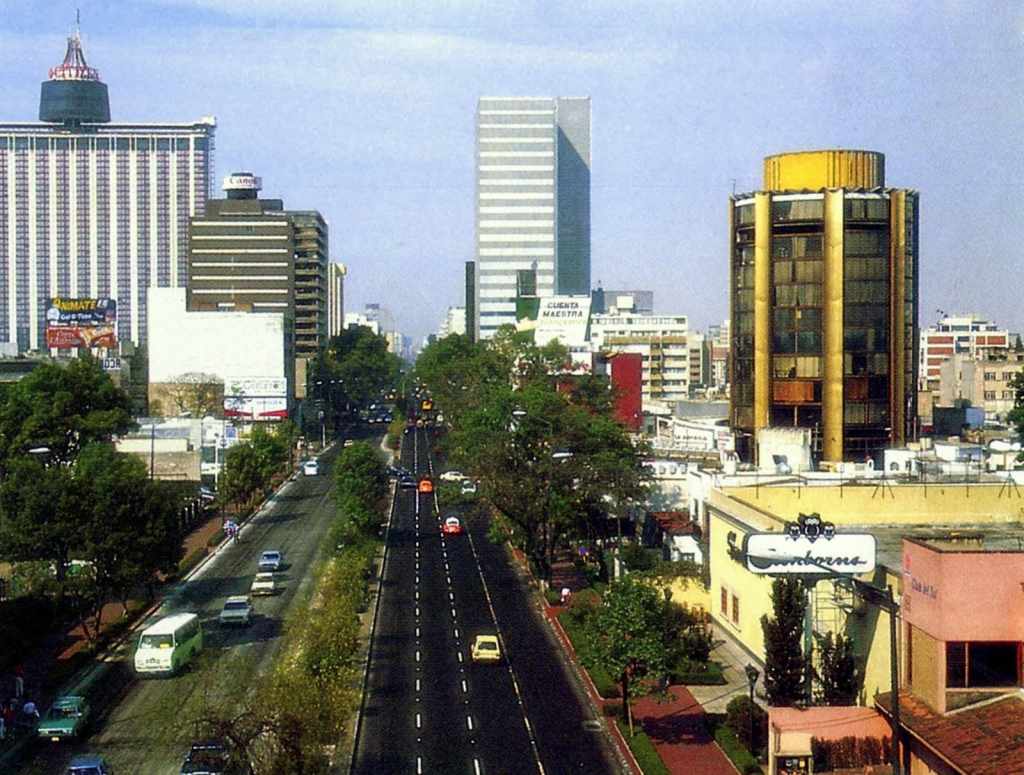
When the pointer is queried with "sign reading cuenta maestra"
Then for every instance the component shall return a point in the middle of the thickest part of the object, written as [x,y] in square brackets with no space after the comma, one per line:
[810,547]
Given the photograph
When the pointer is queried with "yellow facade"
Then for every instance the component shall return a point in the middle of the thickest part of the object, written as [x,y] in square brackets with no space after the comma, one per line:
[814,170]
[832,388]
[762,308]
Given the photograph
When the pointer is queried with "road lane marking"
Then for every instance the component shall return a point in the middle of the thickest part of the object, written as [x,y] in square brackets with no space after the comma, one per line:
[456,633]
[465,686]
[419,721]
[469,723]
[417,655]
[419,765]
[453,613]
[476,767]
[417,612]
[459,655]
[417,632]
[417,685]
[449,578]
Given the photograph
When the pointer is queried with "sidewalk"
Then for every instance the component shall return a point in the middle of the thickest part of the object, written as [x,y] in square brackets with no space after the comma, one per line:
[676,727]
[734,661]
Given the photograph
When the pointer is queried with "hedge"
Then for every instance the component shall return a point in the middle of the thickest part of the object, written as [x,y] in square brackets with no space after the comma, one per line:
[733,748]
[643,750]
[192,559]
[606,686]
[686,674]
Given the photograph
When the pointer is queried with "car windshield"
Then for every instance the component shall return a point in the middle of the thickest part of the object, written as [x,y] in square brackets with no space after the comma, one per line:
[60,713]
[261,577]
[270,556]
[487,645]
[452,521]
[236,605]
[156,642]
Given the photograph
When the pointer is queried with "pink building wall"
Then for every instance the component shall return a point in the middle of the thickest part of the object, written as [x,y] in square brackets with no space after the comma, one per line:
[964,595]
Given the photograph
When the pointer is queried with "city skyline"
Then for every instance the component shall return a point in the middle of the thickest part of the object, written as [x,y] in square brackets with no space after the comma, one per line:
[380,137]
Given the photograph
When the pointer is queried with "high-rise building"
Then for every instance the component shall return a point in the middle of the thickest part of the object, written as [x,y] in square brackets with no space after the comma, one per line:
[637,302]
[970,336]
[471,318]
[336,298]
[824,277]
[663,343]
[250,254]
[91,209]
[533,203]
[454,322]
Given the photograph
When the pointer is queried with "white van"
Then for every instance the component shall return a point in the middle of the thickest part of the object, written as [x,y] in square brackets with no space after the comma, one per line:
[169,645]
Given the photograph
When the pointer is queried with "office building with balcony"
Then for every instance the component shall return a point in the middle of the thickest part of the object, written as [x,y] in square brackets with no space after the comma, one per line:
[663,343]
[823,320]
[91,208]
[532,204]
[969,336]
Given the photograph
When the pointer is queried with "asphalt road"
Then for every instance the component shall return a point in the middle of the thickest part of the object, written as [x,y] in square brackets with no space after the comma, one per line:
[428,708]
[147,724]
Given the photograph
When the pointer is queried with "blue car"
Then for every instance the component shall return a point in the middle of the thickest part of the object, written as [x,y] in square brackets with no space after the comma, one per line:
[89,764]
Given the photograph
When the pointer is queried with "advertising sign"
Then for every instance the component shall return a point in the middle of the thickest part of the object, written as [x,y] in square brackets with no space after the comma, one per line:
[565,318]
[81,323]
[256,398]
[810,547]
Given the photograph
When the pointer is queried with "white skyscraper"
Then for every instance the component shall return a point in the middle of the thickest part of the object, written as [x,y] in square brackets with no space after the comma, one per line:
[532,205]
[90,209]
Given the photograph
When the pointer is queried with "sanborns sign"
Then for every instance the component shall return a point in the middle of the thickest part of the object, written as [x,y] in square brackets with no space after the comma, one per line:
[810,547]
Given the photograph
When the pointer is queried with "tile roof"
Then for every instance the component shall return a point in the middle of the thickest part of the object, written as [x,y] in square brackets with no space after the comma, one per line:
[985,739]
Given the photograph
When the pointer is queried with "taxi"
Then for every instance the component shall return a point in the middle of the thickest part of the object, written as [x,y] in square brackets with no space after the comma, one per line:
[426,486]
[452,527]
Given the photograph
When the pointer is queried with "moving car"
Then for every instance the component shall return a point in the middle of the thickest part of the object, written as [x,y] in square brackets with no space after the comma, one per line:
[65,720]
[485,648]
[270,561]
[311,468]
[452,526]
[468,487]
[426,486]
[89,764]
[349,442]
[237,610]
[206,757]
[453,476]
[263,584]
[169,645]
[408,483]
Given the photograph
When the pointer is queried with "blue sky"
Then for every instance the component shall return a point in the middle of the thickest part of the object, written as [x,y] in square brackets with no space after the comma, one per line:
[364,110]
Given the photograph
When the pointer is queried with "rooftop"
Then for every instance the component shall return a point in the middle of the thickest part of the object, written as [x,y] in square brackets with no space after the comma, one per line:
[1006,536]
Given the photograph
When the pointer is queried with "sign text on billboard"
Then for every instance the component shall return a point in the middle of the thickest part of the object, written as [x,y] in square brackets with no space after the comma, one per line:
[810,547]
[81,323]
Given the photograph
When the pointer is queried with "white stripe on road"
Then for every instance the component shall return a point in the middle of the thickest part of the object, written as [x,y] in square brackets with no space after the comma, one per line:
[419,721]
[469,723]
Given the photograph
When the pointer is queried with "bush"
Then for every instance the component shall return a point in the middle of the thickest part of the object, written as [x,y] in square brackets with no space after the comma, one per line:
[643,750]
[553,596]
[216,538]
[741,715]
[741,758]
[606,686]
[191,560]
[691,673]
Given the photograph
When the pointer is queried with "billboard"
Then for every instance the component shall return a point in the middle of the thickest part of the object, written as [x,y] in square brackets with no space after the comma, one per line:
[256,398]
[565,318]
[810,547]
[81,323]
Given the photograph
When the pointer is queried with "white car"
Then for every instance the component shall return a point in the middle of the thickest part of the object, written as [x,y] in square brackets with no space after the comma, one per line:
[453,476]
[263,584]
[237,610]
[468,487]
[270,562]
[311,468]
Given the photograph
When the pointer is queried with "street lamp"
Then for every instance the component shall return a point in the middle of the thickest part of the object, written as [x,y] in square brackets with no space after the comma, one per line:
[752,675]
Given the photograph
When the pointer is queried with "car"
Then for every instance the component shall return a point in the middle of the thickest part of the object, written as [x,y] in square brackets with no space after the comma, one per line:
[263,584]
[65,719]
[452,526]
[270,561]
[408,483]
[237,610]
[349,442]
[89,764]
[485,648]
[468,487]
[311,468]
[426,486]
[453,476]
[206,757]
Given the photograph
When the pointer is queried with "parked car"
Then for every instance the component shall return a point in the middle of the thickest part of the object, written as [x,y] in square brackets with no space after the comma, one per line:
[89,764]
[311,468]
[65,720]
[485,648]
[264,584]
[237,610]
[206,757]
[468,487]
[453,476]
[270,561]
[452,526]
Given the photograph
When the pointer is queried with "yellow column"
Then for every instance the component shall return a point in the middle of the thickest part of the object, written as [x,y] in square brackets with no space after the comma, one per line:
[762,308]
[832,388]
[897,316]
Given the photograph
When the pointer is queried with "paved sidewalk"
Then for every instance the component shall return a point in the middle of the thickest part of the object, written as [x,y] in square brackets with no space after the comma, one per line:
[734,661]
[676,727]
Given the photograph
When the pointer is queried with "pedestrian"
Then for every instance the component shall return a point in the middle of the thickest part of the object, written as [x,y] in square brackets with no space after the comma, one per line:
[19,682]
[30,712]
[566,594]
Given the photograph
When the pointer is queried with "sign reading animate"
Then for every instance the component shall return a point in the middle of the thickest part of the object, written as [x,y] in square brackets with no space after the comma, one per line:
[81,323]
[256,398]
[810,547]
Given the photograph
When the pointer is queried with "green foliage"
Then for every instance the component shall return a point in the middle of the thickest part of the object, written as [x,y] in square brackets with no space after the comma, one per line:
[692,673]
[637,558]
[62,408]
[730,744]
[838,674]
[192,559]
[744,717]
[687,638]
[360,359]
[785,665]
[1016,415]
[643,751]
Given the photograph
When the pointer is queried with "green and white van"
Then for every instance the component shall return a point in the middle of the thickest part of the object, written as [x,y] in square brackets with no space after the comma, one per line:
[169,645]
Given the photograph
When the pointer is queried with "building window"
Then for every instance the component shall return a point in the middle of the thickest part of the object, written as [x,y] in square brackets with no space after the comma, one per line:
[735,610]
[725,601]
[982,665]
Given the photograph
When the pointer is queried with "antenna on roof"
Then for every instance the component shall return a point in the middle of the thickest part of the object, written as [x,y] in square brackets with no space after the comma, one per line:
[78,22]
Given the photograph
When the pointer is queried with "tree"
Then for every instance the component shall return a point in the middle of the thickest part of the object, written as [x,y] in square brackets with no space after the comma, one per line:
[744,717]
[243,474]
[838,674]
[626,637]
[62,408]
[361,484]
[197,394]
[360,359]
[785,664]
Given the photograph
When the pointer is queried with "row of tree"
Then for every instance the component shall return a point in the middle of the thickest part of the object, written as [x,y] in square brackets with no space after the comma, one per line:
[250,466]
[550,457]
[78,519]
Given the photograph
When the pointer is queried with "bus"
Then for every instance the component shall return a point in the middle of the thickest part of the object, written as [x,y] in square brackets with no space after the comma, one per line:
[167,646]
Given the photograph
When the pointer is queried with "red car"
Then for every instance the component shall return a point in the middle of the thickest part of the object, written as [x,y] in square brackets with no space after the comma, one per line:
[452,526]
[426,486]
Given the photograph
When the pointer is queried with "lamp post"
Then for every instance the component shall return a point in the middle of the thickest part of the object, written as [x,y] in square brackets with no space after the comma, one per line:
[752,675]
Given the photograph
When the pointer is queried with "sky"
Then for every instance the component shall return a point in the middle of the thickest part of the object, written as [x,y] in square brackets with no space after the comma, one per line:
[365,111]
